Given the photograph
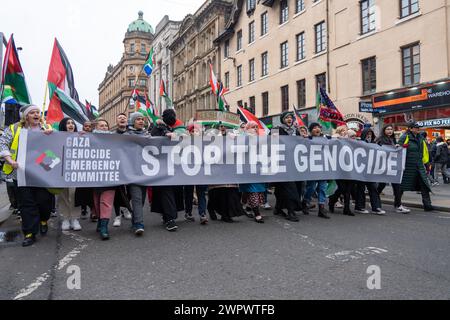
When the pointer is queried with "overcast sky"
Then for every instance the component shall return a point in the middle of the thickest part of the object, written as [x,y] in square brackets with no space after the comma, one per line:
[90,31]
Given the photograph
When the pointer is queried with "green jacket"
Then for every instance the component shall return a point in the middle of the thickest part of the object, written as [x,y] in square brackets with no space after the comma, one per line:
[414,167]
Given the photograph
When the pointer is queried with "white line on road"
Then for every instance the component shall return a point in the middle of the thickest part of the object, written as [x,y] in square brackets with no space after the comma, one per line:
[61,264]
[345,256]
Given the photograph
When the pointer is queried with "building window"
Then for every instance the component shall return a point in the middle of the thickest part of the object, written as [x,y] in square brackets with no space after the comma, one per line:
[251,5]
[251,32]
[284,55]
[131,83]
[264,23]
[239,76]
[299,6]
[411,64]
[252,103]
[264,64]
[321,37]
[284,11]
[321,81]
[367,8]
[284,98]
[408,7]
[239,103]
[143,83]
[143,50]
[301,93]
[132,48]
[265,103]
[239,40]
[227,80]
[301,53]
[369,75]
[251,70]
[226,49]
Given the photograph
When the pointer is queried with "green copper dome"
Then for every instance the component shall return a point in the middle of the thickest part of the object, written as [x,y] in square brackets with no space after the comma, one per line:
[140,25]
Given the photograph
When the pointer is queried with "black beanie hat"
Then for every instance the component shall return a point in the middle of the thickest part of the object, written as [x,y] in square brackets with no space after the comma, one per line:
[286,114]
[313,125]
[169,117]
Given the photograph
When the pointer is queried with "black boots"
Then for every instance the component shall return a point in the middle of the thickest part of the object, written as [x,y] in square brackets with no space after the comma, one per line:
[323,212]
[279,212]
[43,228]
[104,234]
[29,240]
[291,216]
[305,207]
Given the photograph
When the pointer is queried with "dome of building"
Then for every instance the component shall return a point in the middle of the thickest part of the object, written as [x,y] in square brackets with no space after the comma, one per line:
[140,25]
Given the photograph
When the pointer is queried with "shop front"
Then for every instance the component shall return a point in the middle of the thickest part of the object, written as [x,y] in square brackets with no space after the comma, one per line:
[428,105]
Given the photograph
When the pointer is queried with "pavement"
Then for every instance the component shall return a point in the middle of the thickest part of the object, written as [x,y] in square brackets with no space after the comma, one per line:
[440,198]
[312,259]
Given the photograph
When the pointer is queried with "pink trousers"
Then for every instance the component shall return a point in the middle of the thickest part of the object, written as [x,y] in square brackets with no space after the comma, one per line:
[104,203]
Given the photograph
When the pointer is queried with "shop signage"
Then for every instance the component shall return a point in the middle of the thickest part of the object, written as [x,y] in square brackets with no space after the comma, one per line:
[435,123]
[433,95]
[212,116]
[356,121]
[367,107]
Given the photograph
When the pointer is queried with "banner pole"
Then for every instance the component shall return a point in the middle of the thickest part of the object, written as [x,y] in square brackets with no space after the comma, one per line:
[44,103]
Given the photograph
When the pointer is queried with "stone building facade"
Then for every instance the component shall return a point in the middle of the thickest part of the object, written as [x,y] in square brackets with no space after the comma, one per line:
[165,33]
[116,89]
[275,54]
[193,50]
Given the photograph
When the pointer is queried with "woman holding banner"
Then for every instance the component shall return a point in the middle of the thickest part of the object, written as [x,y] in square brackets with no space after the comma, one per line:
[387,138]
[253,194]
[35,204]
[66,198]
[286,193]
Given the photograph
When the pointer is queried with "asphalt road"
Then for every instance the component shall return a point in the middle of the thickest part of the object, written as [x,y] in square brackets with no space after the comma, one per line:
[313,259]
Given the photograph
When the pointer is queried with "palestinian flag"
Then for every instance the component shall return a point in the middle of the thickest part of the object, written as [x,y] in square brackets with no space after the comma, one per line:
[92,111]
[217,88]
[298,119]
[151,110]
[213,81]
[247,116]
[163,93]
[15,89]
[64,100]
[149,64]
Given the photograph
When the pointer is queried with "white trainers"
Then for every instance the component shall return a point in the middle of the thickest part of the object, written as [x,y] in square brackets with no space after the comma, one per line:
[363,211]
[402,209]
[117,221]
[65,225]
[126,214]
[379,212]
[75,225]
[267,206]
[338,205]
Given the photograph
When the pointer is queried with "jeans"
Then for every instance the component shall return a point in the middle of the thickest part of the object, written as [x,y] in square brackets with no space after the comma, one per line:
[311,187]
[138,194]
[201,196]
[442,168]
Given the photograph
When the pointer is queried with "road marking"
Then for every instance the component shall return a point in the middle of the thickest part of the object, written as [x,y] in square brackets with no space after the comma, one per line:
[303,237]
[345,256]
[60,265]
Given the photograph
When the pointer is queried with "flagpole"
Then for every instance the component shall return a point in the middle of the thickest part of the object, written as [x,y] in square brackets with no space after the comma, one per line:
[44,103]
[136,80]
